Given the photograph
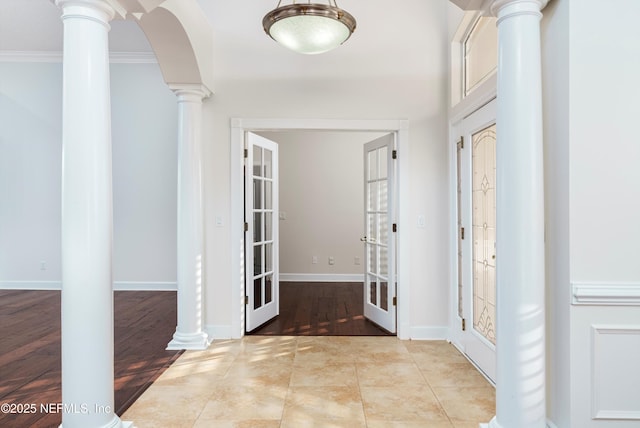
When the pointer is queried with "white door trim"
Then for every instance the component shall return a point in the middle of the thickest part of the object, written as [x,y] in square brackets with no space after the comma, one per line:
[239,127]
[481,117]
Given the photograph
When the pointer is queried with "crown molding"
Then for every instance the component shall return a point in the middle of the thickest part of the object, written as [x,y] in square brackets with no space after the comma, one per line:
[56,57]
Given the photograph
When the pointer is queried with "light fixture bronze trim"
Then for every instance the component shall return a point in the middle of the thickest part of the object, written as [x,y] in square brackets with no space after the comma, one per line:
[312,9]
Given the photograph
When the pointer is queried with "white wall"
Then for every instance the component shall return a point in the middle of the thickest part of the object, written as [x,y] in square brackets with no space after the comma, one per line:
[144,122]
[604,198]
[321,194]
[555,86]
[145,184]
[592,206]
[350,92]
[30,171]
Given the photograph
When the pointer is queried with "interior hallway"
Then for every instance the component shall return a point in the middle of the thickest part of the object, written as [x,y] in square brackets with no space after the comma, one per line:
[329,381]
[321,309]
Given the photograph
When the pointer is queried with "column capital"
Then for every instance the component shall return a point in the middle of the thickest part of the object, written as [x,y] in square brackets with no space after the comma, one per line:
[520,6]
[190,91]
[102,10]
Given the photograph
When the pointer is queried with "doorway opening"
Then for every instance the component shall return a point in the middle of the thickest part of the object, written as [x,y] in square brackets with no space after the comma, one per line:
[241,128]
[331,233]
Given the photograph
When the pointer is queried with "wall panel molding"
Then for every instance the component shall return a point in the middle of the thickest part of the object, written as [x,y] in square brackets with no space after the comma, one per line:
[614,374]
[607,294]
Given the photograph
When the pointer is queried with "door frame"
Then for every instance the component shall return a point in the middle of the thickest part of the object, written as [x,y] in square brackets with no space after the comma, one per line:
[480,97]
[239,129]
[475,347]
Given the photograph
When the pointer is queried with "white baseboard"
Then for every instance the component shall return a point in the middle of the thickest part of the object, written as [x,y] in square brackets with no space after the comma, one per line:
[218,332]
[145,286]
[30,285]
[117,286]
[429,333]
[321,277]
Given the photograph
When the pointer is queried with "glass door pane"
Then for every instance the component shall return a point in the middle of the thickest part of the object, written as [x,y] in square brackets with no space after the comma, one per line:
[262,225]
[379,248]
[261,254]
[484,231]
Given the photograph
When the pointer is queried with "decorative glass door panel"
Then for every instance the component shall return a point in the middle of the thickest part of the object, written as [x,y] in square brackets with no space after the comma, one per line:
[261,251]
[484,232]
[476,233]
[379,246]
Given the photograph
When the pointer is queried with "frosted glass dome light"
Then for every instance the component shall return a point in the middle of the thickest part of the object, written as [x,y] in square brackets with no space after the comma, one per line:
[309,28]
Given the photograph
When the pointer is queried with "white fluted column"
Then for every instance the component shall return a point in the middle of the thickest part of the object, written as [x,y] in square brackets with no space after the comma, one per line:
[189,331]
[87,218]
[520,393]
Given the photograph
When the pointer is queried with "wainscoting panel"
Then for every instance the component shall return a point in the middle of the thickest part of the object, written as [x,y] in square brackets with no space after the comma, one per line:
[603,363]
[615,375]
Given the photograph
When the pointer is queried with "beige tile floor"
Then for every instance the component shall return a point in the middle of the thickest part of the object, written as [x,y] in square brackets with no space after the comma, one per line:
[327,381]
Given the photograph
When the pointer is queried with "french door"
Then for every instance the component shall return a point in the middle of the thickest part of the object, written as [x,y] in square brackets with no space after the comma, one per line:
[476,173]
[261,231]
[379,240]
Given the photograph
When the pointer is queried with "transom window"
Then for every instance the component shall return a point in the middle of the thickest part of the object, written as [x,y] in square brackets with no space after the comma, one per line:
[480,53]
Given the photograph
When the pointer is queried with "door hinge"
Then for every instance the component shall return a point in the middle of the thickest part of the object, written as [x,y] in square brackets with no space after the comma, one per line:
[246,227]
[395,301]
[461,143]
[464,324]
[394,154]
[246,300]
[462,233]
[246,153]
[394,227]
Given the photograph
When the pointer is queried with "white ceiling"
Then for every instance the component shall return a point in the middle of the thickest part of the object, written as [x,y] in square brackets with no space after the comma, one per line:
[392,38]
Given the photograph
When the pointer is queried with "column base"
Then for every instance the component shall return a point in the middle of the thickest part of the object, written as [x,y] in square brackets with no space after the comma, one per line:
[493,423]
[193,341]
[115,423]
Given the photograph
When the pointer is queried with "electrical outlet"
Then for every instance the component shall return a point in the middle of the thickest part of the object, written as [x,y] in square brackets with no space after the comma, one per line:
[314,260]
[356,260]
[332,261]
[43,265]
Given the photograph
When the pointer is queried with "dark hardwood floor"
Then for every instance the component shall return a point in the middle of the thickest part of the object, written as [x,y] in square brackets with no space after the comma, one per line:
[30,359]
[321,309]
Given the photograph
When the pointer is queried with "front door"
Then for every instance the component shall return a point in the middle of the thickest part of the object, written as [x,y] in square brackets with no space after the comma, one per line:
[379,240]
[261,231]
[476,160]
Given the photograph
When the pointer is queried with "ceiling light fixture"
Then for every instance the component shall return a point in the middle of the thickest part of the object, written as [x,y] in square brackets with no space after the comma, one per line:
[309,28]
